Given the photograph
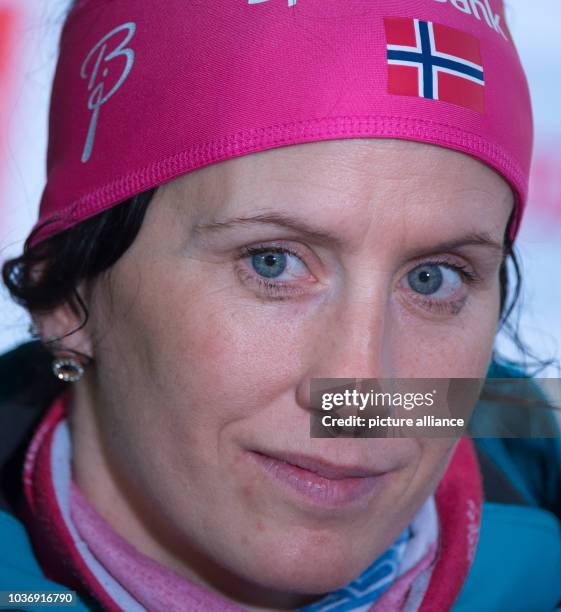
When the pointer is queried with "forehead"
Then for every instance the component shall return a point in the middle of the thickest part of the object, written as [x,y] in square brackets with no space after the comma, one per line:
[346,182]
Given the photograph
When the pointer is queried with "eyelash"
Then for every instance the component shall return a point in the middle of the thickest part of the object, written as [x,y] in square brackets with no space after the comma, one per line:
[281,290]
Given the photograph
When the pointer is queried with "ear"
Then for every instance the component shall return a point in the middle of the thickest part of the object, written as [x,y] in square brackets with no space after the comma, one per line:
[61,329]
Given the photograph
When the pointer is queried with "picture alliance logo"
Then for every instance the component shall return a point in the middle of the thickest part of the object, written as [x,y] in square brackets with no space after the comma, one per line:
[424,422]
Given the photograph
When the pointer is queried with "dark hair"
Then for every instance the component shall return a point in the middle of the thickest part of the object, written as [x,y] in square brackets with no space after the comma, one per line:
[48,274]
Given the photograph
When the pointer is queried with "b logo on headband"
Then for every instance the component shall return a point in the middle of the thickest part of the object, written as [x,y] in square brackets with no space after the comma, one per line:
[93,62]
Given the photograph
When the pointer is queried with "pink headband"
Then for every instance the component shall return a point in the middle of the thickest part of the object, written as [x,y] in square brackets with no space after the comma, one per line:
[147,91]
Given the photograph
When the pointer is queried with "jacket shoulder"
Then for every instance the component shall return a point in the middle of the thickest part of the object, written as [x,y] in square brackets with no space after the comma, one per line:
[504,574]
[19,570]
[23,399]
[528,455]
[19,367]
[521,513]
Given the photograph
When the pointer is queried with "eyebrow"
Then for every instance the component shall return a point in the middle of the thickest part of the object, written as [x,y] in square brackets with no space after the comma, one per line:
[482,239]
[277,219]
[314,234]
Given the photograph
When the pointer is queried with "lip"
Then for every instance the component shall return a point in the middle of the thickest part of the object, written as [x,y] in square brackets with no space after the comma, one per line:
[318,481]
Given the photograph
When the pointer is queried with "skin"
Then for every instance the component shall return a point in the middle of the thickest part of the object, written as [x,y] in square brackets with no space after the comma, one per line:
[195,363]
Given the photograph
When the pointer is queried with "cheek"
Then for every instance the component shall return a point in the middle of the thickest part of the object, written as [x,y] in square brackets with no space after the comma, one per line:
[456,347]
[436,455]
[202,344]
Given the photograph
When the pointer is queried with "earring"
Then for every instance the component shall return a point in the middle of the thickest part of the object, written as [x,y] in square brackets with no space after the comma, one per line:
[68,369]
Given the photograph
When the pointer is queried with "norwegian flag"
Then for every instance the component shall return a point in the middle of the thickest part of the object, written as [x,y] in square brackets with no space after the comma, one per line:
[433,61]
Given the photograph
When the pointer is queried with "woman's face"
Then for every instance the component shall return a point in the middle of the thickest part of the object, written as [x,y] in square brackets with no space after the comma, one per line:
[248,279]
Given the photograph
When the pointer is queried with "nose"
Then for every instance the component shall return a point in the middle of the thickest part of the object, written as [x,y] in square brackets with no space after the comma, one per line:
[354,340]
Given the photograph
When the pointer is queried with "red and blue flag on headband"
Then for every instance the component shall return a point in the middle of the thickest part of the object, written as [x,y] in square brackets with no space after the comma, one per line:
[433,61]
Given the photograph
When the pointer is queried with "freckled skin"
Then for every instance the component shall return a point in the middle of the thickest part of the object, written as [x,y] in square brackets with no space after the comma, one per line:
[195,363]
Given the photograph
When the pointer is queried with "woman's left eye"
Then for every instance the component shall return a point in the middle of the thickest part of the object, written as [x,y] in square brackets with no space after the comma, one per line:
[435,280]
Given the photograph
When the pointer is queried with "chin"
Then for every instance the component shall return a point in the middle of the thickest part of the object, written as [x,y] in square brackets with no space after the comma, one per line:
[311,569]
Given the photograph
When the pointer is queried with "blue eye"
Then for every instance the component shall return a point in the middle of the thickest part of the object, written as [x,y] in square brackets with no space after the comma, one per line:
[434,279]
[275,271]
[269,264]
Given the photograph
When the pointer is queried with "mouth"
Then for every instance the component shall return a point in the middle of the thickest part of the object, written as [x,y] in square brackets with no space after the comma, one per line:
[318,482]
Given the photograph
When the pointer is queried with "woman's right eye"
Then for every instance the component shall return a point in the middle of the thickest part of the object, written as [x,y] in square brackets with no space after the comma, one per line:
[273,263]
[277,271]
